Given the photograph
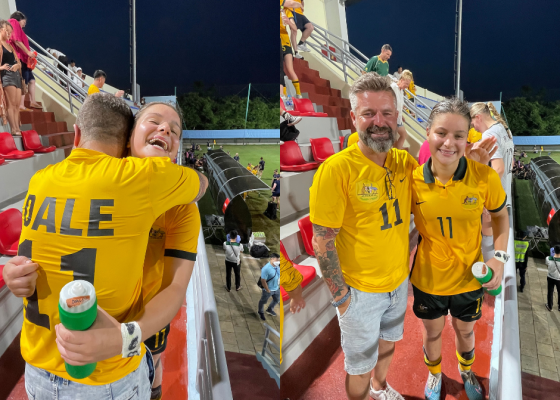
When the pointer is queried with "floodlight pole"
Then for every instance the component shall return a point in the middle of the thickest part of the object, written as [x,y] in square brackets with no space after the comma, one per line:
[458,31]
[132,4]
[247,112]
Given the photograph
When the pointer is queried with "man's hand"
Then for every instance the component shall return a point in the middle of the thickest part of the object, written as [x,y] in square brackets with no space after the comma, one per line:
[344,306]
[100,342]
[482,151]
[20,275]
[497,273]
[120,93]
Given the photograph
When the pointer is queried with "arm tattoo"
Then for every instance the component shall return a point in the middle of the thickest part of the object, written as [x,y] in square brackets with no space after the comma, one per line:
[203,186]
[327,256]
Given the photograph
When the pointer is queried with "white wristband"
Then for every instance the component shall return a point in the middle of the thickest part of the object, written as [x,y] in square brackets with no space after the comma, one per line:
[131,338]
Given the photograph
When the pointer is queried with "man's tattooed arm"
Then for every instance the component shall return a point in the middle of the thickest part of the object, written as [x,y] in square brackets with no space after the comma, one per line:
[323,245]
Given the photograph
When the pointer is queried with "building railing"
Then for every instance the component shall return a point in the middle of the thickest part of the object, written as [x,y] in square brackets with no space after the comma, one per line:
[270,361]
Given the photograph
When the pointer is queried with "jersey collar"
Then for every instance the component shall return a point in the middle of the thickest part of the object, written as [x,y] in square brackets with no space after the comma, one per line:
[457,176]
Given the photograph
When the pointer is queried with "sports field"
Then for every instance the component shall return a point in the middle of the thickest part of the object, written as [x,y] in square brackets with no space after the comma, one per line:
[256,201]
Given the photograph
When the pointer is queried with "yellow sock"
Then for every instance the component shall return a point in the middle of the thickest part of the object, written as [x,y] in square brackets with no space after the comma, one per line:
[465,364]
[296,85]
[433,366]
[284,90]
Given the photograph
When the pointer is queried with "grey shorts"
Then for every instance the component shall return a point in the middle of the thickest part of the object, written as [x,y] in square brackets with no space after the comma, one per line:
[11,78]
[368,318]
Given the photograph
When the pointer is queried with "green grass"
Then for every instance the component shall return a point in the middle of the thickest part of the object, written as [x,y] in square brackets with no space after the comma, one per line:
[256,201]
[555,155]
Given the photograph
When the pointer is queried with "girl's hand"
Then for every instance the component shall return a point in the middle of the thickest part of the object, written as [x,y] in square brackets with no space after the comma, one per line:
[5,67]
[14,67]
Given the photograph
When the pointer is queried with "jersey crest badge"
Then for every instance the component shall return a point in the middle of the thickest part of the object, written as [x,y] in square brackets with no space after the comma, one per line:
[470,202]
[367,191]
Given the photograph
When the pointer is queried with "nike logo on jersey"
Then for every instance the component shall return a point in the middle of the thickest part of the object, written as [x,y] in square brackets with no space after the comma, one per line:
[403,179]
[418,203]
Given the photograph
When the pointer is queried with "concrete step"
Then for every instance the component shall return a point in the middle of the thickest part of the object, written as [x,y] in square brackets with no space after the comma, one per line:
[15,174]
[315,127]
[295,186]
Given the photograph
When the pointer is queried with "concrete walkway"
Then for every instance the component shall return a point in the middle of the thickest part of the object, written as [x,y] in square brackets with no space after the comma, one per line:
[539,329]
[242,329]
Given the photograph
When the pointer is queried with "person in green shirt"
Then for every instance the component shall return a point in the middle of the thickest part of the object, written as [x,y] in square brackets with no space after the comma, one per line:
[380,63]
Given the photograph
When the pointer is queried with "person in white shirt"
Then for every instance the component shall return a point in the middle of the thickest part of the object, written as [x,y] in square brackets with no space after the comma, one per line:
[553,277]
[233,250]
[61,57]
[77,80]
[398,73]
[398,87]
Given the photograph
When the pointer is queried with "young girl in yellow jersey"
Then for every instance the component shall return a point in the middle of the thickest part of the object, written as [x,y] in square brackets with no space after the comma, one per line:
[449,193]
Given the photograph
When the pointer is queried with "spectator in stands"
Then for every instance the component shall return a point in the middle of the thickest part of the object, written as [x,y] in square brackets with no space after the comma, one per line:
[233,250]
[11,78]
[487,120]
[270,277]
[301,22]
[424,154]
[380,63]
[19,41]
[236,157]
[287,58]
[553,277]
[443,285]
[289,21]
[62,60]
[72,66]
[99,78]
[398,73]
[276,191]
[76,79]
[261,168]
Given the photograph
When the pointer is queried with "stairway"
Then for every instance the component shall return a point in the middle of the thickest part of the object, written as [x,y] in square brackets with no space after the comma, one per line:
[319,91]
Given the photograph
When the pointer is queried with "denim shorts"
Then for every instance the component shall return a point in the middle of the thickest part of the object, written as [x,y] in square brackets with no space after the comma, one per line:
[368,318]
[42,385]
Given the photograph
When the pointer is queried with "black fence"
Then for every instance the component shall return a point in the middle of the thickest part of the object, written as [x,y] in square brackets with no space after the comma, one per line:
[546,192]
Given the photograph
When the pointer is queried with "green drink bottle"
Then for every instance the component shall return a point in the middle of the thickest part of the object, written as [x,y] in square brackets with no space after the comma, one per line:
[483,274]
[77,307]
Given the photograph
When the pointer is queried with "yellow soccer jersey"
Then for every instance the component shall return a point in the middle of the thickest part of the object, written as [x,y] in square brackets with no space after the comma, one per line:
[174,234]
[371,206]
[354,138]
[92,89]
[298,9]
[284,37]
[88,217]
[448,218]
[474,136]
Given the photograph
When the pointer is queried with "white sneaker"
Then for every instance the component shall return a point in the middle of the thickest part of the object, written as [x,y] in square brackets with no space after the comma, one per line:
[291,119]
[303,47]
[298,56]
[298,96]
[387,394]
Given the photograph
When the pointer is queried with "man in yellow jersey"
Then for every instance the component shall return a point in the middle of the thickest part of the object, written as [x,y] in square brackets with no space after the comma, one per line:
[361,197]
[75,214]
[99,78]
[286,58]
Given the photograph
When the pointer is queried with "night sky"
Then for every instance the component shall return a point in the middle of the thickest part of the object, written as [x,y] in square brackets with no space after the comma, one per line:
[506,44]
[178,41]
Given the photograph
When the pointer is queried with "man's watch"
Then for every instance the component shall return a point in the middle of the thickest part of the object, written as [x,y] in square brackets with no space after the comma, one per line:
[341,301]
[501,256]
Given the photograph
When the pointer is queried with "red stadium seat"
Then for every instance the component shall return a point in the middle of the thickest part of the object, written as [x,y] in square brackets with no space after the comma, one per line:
[341,139]
[2,283]
[305,107]
[321,148]
[2,161]
[308,272]
[291,159]
[31,141]
[10,230]
[306,229]
[8,149]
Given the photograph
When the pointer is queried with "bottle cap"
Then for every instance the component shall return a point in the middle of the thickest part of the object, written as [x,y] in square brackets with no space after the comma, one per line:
[77,296]
[479,269]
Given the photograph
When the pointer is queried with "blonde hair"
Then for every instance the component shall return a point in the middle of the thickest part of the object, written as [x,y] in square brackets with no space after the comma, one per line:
[406,74]
[489,109]
[370,82]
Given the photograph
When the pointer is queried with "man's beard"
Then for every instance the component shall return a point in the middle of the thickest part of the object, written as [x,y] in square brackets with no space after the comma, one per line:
[378,145]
